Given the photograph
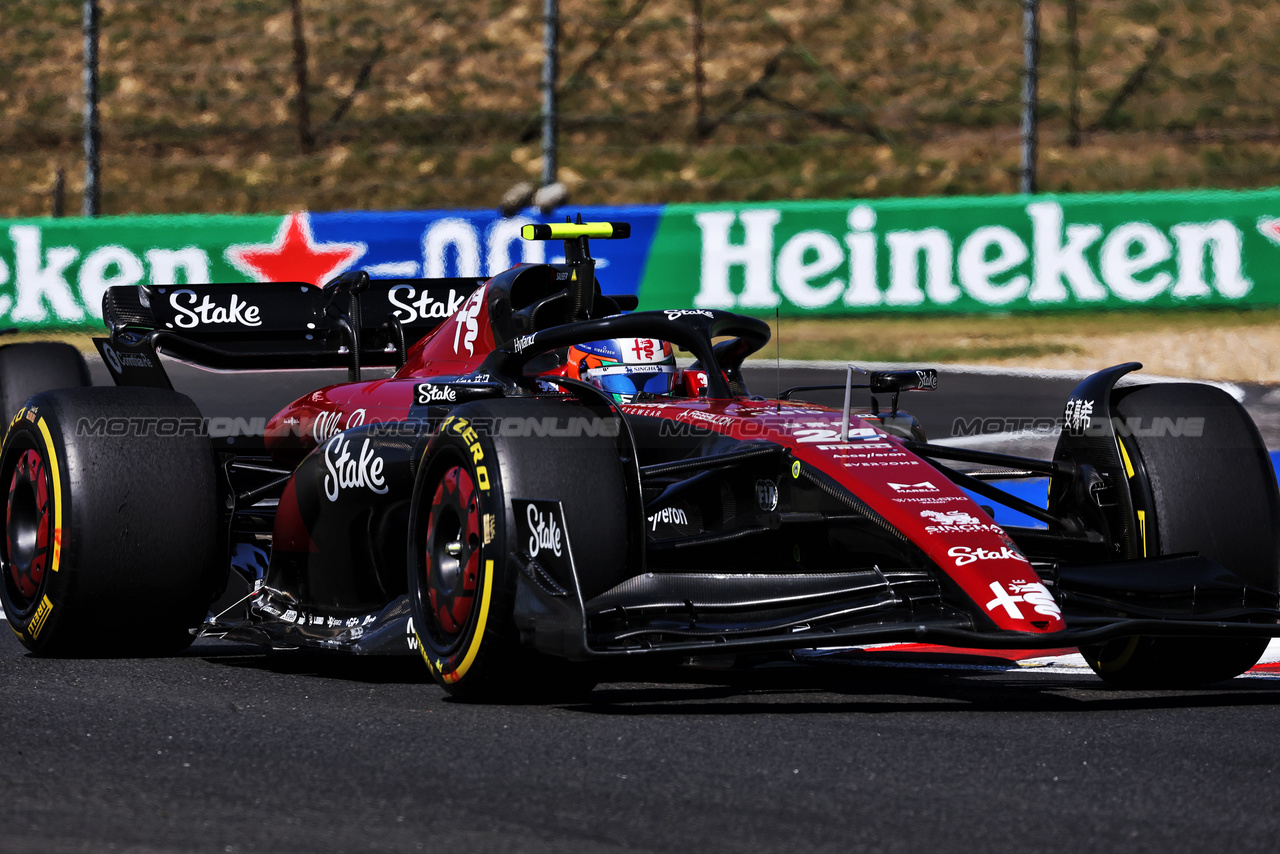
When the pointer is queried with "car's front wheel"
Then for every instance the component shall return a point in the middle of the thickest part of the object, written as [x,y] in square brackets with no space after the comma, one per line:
[1203,482]
[463,543]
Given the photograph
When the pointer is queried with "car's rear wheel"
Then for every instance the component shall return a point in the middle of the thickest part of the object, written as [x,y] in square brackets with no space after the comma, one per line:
[110,523]
[1206,487]
[463,575]
[34,366]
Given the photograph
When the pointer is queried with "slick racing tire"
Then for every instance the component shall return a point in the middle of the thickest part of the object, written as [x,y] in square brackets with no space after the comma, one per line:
[110,524]
[36,366]
[463,544]
[1212,493]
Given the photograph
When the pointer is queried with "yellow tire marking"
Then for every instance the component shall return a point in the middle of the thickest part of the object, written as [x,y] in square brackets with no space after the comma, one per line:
[478,635]
[1121,660]
[422,649]
[1142,514]
[14,420]
[57,494]
[42,614]
[1128,466]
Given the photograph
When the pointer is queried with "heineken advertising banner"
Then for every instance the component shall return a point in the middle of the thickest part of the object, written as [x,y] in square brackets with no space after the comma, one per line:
[1010,253]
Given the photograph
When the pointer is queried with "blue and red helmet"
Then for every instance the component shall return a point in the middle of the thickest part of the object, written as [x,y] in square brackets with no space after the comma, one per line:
[625,367]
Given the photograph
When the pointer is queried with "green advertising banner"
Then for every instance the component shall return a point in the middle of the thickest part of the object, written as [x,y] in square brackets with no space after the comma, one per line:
[1006,253]
[53,272]
[1010,253]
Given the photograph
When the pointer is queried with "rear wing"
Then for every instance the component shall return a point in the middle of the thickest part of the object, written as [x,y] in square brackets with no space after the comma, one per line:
[351,322]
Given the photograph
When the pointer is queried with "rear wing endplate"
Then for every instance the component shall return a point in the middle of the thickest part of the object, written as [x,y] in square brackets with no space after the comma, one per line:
[351,322]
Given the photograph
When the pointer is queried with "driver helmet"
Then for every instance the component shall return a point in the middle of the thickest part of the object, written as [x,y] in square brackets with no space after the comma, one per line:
[625,367]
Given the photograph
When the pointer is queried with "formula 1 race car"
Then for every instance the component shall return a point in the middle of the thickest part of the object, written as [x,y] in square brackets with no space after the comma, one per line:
[540,490]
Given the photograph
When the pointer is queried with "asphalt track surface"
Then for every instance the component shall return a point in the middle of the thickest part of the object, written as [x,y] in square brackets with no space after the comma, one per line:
[229,748]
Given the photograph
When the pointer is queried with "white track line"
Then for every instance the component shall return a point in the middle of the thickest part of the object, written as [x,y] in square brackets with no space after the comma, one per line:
[1070,664]
[1272,655]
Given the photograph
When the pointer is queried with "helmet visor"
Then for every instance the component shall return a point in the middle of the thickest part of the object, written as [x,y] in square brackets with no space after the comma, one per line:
[632,379]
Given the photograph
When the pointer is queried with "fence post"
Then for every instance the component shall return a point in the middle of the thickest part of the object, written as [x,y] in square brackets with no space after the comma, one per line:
[1030,92]
[306,138]
[699,77]
[1073,73]
[550,73]
[92,133]
[59,193]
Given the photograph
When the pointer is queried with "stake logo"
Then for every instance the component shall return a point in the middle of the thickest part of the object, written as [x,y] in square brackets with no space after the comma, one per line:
[207,313]
[546,532]
[433,393]
[362,471]
[965,555]
[410,306]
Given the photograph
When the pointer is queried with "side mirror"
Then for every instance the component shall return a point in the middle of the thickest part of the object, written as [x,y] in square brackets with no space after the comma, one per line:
[920,379]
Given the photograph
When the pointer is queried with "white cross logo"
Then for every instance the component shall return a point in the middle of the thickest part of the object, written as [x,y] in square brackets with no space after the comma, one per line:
[1004,599]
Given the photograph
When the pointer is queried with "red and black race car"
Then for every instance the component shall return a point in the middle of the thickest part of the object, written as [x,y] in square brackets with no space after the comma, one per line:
[539,490]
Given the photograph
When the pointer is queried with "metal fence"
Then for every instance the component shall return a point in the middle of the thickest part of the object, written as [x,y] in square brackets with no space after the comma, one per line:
[259,105]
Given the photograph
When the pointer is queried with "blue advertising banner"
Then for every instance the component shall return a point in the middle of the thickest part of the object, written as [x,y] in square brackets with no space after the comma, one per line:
[1182,250]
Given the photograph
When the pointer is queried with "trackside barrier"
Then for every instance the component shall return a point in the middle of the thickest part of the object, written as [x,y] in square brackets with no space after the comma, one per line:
[1036,490]
[832,258]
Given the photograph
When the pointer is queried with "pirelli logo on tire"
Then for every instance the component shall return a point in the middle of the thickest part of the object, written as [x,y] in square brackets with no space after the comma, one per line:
[16,418]
[462,428]
[41,616]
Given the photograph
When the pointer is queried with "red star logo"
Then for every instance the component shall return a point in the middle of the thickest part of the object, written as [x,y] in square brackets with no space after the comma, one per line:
[294,255]
[1269,228]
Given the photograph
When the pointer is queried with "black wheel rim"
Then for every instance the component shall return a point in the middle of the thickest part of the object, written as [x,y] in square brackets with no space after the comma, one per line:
[29,537]
[451,561]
